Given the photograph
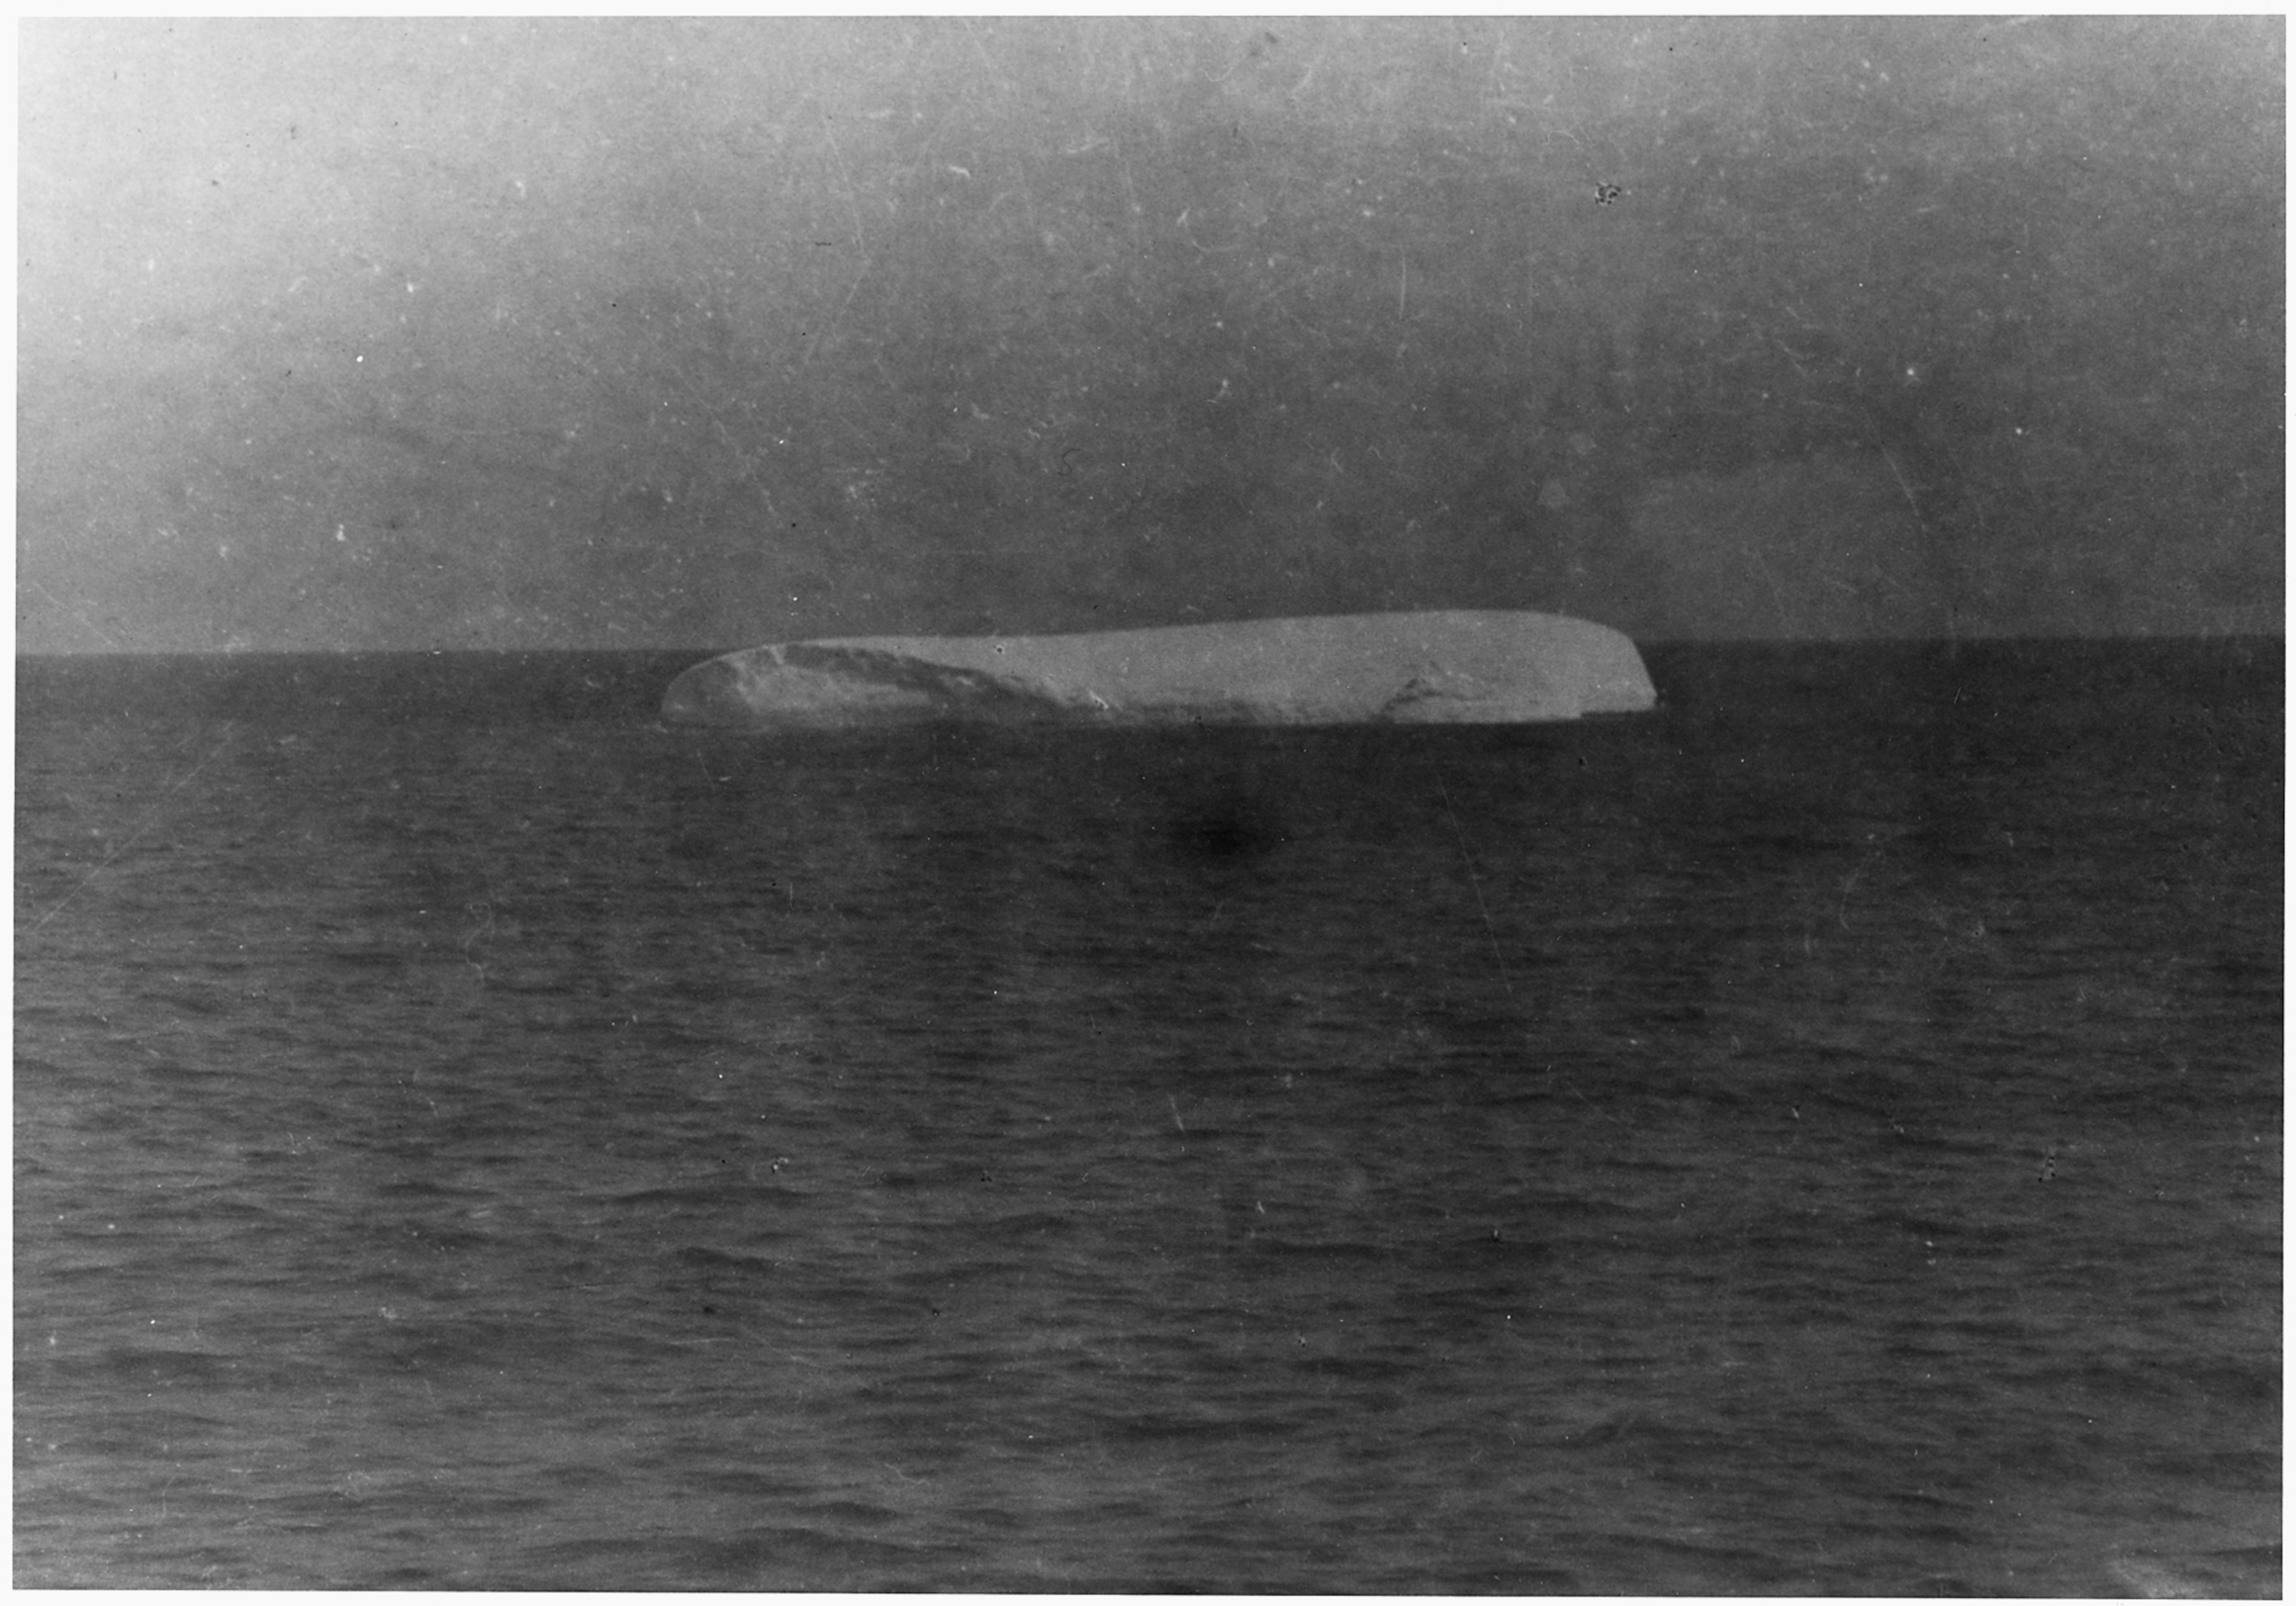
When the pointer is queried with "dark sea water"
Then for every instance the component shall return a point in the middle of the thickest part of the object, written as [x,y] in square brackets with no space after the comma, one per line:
[1823,1136]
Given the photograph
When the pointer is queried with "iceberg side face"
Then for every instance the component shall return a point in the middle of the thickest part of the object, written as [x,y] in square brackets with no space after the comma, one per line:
[1457,667]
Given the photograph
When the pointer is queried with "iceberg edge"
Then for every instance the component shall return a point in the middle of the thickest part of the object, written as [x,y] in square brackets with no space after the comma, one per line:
[1457,666]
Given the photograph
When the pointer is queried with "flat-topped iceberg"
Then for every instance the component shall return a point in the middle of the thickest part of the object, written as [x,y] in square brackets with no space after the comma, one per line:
[1462,666]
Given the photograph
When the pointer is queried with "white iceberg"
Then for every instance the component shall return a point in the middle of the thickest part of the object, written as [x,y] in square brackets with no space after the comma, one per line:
[1458,666]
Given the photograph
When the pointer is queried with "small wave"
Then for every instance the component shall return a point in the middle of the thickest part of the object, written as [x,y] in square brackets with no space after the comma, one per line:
[2249,1574]
[710,1259]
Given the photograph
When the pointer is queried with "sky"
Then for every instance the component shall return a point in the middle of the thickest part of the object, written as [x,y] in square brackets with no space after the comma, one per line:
[531,334]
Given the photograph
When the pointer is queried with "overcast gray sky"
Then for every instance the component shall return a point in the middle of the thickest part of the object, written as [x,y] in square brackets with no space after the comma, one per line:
[517,334]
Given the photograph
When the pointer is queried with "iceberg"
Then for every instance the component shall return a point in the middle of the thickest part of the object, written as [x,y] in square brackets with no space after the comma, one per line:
[1457,666]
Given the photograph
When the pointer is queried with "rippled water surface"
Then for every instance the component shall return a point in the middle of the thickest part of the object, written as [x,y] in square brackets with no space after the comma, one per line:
[1822,1137]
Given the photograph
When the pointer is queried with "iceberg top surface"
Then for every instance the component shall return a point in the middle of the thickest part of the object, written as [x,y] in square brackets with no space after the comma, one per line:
[1460,665]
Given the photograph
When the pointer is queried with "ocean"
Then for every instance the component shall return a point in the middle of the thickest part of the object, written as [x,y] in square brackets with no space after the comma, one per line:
[1824,1136]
